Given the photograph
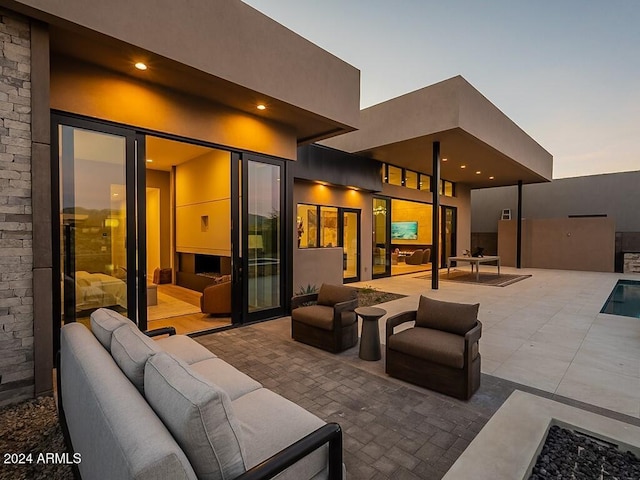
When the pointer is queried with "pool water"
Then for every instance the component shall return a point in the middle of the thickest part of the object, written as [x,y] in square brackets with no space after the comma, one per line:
[624,299]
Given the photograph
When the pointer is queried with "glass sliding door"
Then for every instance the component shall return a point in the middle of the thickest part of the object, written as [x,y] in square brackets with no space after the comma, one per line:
[381,237]
[448,229]
[97,229]
[351,245]
[263,238]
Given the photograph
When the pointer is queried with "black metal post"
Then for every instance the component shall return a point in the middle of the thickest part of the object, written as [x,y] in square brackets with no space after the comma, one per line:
[519,228]
[435,191]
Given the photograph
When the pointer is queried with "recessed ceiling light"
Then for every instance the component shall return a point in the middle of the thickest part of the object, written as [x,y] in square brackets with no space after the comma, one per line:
[140,66]
[444,159]
[478,172]
[261,107]
[491,178]
[463,166]
[116,194]
[149,160]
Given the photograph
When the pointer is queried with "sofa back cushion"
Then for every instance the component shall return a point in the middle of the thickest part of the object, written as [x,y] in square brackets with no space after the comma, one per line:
[104,322]
[199,416]
[450,317]
[130,348]
[331,294]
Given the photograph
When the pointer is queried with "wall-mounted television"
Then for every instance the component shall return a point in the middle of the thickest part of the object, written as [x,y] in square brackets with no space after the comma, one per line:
[404,230]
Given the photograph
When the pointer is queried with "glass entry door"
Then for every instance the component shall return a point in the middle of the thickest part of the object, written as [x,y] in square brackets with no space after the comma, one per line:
[351,245]
[381,260]
[97,229]
[262,238]
[448,232]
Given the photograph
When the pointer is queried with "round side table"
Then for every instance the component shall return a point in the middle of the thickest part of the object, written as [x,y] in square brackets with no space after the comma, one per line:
[370,337]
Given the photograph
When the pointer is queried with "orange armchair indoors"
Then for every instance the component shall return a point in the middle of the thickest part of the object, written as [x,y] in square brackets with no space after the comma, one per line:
[216,298]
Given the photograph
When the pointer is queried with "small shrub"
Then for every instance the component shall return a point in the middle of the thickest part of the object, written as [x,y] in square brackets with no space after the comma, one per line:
[368,289]
[307,290]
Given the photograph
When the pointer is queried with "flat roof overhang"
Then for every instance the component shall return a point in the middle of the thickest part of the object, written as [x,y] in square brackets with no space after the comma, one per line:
[472,133]
[219,50]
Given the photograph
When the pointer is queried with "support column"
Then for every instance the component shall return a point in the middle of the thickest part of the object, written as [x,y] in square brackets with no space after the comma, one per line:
[519,228]
[42,213]
[435,191]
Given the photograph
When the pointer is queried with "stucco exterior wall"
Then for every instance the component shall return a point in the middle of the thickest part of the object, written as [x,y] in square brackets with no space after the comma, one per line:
[224,38]
[16,221]
[304,270]
[615,195]
[98,93]
[583,244]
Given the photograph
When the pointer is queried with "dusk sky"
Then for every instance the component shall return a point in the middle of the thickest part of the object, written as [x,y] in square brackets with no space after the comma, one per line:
[567,72]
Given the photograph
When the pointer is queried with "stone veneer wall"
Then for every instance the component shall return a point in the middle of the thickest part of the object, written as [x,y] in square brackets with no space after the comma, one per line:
[16,223]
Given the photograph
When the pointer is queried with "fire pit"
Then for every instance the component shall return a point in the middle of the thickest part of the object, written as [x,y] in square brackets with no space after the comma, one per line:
[570,454]
[509,445]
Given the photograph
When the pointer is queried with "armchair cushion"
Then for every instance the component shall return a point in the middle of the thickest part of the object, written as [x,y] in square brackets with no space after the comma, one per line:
[450,317]
[331,294]
[432,345]
[321,316]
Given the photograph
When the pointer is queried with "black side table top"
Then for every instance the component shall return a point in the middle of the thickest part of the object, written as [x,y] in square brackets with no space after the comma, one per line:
[370,312]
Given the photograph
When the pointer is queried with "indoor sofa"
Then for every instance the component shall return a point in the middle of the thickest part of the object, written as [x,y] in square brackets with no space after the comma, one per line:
[138,408]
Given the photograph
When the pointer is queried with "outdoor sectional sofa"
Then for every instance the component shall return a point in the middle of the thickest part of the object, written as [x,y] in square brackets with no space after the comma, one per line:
[137,408]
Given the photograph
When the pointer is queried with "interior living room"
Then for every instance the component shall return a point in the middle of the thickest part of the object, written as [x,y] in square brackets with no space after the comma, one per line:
[188,213]
[411,236]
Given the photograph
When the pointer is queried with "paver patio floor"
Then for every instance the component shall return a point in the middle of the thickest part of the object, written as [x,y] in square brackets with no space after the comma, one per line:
[391,429]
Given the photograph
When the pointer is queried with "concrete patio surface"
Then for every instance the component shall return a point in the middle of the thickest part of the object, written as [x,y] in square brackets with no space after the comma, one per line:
[545,332]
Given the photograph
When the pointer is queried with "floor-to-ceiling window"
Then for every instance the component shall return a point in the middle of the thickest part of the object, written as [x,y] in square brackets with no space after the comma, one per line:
[350,225]
[411,236]
[147,225]
[329,227]
[402,236]
[97,261]
[264,236]
[381,237]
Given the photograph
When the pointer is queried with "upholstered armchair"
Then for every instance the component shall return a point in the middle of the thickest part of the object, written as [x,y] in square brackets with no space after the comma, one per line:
[331,324]
[426,256]
[216,298]
[415,258]
[441,351]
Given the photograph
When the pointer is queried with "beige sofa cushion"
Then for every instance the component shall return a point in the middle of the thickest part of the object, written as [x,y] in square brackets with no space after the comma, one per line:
[185,348]
[270,423]
[434,346]
[450,317]
[199,416]
[331,294]
[228,378]
[104,322]
[130,348]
